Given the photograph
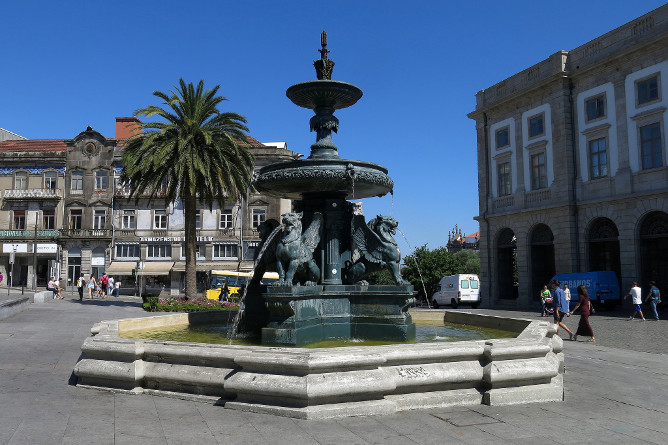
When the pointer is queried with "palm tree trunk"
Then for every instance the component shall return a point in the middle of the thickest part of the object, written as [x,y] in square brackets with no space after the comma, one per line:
[190,210]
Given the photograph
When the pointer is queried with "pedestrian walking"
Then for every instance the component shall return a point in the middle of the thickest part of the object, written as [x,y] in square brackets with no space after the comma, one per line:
[654,298]
[91,287]
[224,292]
[561,307]
[544,295]
[636,295]
[57,283]
[103,281]
[117,286]
[584,304]
[567,292]
[110,286]
[81,282]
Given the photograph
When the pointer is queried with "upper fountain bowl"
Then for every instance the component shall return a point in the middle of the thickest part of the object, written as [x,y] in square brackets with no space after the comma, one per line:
[341,177]
[329,93]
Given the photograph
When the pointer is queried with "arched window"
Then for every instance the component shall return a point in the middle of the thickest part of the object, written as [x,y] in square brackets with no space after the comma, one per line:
[542,264]
[653,248]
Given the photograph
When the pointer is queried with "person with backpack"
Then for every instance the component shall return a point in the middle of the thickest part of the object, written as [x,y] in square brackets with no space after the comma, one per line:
[104,281]
[80,286]
[654,298]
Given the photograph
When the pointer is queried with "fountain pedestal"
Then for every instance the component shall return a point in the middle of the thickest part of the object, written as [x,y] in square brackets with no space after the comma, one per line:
[303,315]
[323,238]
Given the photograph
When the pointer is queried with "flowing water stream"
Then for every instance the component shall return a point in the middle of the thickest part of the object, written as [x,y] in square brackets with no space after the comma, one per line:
[231,333]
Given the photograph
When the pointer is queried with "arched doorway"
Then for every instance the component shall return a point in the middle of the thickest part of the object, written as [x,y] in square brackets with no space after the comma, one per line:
[506,265]
[604,246]
[542,258]
[653,248]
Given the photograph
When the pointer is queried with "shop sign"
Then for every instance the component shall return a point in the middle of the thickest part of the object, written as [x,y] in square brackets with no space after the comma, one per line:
[97,261]
[47,248]
[14,247]
[28,233]
[171,239]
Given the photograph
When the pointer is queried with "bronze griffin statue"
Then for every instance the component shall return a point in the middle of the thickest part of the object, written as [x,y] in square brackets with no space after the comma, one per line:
[294,252]
[374,248]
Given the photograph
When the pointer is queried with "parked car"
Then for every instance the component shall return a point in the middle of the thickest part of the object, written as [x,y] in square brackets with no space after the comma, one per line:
[458,289]
[602,286]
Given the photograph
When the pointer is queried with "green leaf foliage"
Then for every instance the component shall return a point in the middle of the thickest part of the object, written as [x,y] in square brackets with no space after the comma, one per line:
[424,268]
[194,153]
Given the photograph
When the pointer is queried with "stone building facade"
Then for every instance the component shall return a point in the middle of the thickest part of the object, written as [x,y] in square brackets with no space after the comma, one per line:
[572,165]
[86,224]
[32,183]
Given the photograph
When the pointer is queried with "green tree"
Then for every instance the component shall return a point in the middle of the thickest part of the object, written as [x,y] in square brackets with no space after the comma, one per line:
[424,268]
[195,154]
[469,261]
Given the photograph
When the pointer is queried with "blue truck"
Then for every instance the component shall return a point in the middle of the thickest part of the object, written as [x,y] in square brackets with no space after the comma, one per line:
[602,286]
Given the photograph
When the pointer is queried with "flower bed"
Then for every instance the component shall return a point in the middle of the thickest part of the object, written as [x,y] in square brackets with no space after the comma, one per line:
[172,304]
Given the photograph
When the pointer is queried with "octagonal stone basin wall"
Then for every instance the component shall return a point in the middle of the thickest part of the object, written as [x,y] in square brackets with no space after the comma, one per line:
[334,382]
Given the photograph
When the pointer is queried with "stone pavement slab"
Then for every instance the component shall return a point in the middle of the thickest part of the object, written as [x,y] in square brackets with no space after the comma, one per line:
[612,395]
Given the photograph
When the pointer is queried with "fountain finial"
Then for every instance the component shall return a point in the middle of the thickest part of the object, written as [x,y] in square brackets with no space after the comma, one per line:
[323,66]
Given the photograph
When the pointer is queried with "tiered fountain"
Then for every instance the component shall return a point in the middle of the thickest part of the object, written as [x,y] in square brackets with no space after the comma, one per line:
[322,254]
[325,249]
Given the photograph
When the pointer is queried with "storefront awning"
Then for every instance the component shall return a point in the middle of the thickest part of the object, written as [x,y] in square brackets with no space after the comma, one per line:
[121,268]
[204,266]
[155,268]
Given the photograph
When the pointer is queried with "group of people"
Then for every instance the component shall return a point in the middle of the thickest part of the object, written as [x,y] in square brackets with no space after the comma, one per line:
[104,286]
[561,303]
[54,286]
[652,299]
[561,300]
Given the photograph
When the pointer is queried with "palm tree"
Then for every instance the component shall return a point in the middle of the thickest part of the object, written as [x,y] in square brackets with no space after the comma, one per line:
[196,154]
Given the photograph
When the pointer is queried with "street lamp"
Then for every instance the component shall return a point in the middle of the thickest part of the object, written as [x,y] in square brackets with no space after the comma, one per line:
[34,256]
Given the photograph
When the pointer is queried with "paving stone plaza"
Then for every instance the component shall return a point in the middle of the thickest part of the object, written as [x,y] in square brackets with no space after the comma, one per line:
[615,392]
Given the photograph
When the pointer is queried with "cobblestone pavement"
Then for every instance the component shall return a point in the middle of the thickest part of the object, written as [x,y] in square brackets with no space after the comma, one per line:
[611,328]
[614,394]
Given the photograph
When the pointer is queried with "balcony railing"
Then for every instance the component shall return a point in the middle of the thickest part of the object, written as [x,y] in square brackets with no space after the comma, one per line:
[86,233]
[503,202]
[33,194]
[125,193]
[537,197]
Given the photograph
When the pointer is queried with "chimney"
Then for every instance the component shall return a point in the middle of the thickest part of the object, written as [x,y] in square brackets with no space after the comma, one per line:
[125,127]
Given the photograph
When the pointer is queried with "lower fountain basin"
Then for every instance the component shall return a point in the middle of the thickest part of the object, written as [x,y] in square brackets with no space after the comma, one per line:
[313,383]
[294,179]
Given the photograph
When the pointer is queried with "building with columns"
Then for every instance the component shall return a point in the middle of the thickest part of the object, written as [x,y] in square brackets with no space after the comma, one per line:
[572,164]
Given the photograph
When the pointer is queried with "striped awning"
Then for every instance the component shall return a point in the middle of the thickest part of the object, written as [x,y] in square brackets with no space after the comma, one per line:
[155,268]
[121,268]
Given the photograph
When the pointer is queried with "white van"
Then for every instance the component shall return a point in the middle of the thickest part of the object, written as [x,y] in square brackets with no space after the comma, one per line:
[458,289]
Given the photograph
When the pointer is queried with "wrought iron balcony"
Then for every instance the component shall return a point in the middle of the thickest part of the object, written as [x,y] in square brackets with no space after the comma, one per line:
[86,233]
[125,193]
[33,194]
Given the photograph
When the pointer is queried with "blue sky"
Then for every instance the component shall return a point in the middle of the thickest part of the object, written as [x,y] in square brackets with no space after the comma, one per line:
[67,65]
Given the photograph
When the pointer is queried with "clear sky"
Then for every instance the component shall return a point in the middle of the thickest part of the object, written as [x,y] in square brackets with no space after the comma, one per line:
[66,65]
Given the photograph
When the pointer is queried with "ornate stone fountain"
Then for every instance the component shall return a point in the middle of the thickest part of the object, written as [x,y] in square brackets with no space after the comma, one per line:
[322,254]
[325,249]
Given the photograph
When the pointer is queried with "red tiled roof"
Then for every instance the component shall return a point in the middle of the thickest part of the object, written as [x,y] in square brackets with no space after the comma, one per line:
[254,142]
[473,236]
[33,145]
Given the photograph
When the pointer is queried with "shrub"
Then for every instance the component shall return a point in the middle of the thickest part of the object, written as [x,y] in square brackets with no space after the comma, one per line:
[171,304]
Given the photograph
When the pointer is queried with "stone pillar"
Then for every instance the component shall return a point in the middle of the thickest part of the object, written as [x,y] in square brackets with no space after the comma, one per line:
[333,235]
